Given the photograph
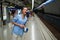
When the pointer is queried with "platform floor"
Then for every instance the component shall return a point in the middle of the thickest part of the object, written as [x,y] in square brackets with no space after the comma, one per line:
[37,31]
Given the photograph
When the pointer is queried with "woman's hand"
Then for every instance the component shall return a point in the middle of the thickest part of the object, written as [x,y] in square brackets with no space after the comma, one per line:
[22,26]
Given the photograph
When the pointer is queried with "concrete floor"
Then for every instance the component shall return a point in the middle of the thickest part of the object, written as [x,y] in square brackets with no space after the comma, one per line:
[37,31]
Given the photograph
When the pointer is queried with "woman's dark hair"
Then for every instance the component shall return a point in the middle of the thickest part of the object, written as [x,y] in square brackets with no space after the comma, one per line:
[23,7]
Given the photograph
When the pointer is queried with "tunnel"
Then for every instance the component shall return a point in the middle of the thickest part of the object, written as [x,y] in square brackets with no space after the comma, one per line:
[44,24]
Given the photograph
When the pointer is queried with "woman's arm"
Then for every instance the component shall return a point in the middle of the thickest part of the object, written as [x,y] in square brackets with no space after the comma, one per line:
[20,25]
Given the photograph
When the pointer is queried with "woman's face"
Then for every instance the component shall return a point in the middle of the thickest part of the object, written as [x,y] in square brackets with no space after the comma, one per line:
[24,10]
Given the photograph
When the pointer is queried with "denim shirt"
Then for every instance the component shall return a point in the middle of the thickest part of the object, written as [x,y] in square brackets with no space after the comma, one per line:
[18,19]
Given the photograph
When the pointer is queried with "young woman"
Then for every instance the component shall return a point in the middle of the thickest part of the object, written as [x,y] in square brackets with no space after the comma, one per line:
[19,22]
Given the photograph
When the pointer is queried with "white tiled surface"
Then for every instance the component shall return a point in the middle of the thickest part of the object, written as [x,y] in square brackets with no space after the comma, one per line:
[37,31]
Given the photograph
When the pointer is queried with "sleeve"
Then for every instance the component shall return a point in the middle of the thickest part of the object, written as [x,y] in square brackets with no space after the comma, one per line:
[15,19]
